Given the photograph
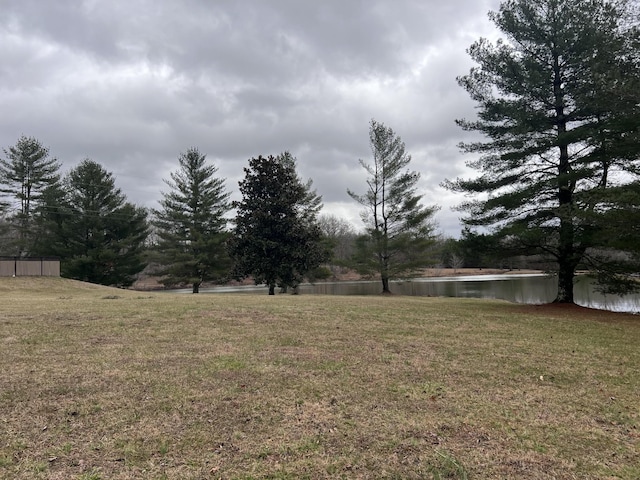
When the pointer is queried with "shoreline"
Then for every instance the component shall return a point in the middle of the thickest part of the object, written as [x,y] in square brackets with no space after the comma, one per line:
[152,283]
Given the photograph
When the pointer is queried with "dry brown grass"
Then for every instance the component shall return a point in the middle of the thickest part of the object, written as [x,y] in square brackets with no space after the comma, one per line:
[100,383]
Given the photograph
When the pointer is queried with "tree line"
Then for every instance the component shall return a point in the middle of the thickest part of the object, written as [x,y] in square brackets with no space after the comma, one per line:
[276,237]
[557,153]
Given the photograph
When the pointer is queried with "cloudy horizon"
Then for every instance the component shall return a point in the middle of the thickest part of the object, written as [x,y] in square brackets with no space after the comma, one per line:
[132,84]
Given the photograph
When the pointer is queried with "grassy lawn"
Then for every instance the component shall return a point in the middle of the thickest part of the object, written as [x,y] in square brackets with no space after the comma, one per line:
[99,383]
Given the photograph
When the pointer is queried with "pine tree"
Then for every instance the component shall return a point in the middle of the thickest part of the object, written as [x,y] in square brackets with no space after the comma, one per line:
[559,106]
[191,226]
[25,173]
[97,234]
[399,229]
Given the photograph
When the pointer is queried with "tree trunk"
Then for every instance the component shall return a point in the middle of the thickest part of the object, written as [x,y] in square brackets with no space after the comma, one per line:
[566,185]
[385,285]
[272,289]
[196,287]
[565,282]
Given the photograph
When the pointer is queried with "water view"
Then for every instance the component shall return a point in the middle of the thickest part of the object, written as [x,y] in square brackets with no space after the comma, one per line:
[519,288]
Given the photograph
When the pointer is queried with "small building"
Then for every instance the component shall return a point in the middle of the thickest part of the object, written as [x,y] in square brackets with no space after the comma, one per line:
[29,267]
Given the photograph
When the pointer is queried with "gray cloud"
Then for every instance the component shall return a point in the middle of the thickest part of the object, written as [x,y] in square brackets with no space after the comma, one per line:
[132,83]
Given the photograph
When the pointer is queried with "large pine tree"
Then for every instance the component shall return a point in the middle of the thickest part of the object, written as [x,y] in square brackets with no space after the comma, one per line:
[97,234]
[190,226]
[559,106]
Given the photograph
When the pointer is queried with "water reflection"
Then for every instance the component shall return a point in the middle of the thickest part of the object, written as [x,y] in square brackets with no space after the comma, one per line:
[519,288]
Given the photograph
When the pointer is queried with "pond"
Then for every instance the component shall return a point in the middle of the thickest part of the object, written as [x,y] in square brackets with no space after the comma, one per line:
[519,288]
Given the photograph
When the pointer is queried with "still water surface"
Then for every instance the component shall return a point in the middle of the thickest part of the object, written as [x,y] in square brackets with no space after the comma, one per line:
[519,288]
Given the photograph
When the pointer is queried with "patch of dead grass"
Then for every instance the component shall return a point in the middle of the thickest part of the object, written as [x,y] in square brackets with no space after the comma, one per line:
[224,386]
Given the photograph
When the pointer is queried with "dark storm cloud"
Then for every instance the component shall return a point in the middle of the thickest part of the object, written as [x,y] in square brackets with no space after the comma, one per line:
[132,83]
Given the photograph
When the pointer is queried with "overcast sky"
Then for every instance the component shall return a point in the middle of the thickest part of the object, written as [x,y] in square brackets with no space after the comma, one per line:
[133,83]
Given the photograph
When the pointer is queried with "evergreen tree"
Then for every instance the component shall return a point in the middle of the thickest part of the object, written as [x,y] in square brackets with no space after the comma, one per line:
[96,232]
[25,173]
[51,219]
[559,105]
[191,226]
[399,229]
[276,239]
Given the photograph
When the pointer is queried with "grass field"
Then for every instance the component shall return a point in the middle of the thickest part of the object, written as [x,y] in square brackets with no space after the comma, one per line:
[99,383]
